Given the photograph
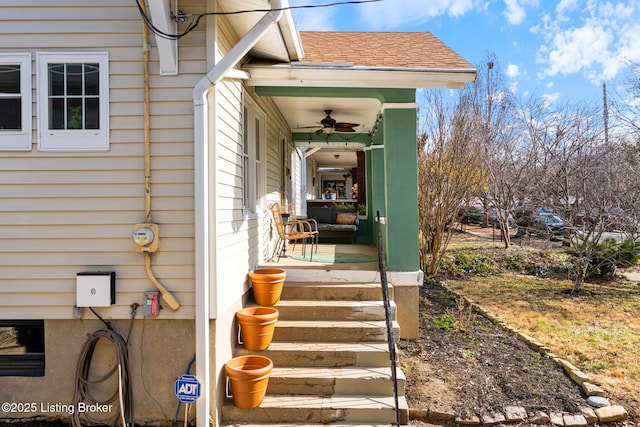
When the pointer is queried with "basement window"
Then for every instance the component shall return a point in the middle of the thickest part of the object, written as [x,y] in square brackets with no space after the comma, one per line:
[15,101]
[22,348]
[73,101]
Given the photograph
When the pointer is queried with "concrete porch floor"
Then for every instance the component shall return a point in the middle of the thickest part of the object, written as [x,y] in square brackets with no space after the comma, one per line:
[326,249]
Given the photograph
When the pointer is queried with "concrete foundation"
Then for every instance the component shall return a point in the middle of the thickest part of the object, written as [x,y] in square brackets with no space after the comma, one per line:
[159,352]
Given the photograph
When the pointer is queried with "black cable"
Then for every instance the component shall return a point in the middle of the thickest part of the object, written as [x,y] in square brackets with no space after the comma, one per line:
[196,21]
[107,324]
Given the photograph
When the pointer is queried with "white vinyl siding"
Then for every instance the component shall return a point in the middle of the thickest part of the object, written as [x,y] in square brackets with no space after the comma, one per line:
[15,101]
[242,239]
[63,212]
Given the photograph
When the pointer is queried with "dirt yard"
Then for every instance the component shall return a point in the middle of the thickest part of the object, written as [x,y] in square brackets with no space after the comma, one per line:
[481,370]
[464,364]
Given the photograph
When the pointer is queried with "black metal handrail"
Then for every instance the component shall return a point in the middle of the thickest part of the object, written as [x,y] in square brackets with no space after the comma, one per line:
[387,311]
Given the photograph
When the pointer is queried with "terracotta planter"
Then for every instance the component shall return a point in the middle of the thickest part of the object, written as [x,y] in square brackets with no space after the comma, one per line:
[249,377]
[256,326]
[267,285]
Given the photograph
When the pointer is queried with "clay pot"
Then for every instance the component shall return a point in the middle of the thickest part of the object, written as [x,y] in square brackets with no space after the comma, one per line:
[249,377]
[267,285]
[256,326]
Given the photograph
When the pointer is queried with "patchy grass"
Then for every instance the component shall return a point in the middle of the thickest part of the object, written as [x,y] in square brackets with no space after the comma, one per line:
[598,330]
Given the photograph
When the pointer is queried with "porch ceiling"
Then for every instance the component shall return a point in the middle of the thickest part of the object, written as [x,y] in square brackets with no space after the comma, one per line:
[303,114]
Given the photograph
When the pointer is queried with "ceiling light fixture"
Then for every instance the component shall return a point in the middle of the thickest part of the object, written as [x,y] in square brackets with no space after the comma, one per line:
[327,129]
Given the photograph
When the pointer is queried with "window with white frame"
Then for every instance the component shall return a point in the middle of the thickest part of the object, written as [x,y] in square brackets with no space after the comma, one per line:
[73,101]
[253,143]
[15,101]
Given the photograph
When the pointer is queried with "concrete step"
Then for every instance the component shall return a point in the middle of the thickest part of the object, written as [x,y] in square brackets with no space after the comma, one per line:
[330,381]
[324,354]
[333,331]
[315,409]
[333,310]
[333,291]
[303,425]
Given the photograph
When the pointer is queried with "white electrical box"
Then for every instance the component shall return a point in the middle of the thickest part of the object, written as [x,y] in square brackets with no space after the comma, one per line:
[95,289]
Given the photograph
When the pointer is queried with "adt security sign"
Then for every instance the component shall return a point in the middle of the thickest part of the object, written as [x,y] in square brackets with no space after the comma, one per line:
[187,389]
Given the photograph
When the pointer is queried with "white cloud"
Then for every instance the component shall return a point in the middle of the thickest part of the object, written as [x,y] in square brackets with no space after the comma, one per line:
[513,71]
[516,12]
[576,49]
[397,14]
[550,98]
[589,37]
[566,6]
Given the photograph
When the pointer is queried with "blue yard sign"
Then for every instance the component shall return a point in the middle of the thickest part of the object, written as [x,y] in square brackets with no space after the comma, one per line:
[187,388]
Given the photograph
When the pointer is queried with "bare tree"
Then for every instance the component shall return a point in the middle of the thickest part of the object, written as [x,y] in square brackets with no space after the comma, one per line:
[627,109]
[493,108]
[449,174]
[582,176]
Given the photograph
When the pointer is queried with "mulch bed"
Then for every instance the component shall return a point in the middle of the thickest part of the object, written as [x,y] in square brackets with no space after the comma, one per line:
[480,370]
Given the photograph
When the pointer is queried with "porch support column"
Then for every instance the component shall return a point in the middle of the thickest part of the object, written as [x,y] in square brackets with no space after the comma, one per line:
[401,186]
[401,212]
[375,171]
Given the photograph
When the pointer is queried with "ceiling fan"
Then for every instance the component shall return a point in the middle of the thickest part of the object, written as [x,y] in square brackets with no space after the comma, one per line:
[329,125]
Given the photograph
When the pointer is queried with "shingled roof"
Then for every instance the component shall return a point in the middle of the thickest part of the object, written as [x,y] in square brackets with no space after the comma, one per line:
[414,50]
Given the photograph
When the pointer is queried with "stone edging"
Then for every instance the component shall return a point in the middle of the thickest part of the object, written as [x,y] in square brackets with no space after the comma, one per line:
[515,414]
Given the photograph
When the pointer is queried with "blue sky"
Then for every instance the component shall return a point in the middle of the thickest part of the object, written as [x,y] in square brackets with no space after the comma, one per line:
[560,50]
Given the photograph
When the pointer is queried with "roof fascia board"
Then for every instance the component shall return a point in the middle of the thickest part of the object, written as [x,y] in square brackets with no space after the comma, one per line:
[384,95]
[291,36]
[359,77]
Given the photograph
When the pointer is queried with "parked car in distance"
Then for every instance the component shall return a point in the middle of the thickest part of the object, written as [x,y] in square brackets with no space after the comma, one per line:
[474,214]
[548,222]
[493,217]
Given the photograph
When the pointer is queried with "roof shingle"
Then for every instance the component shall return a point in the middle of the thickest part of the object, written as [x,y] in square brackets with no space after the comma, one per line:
[417,50]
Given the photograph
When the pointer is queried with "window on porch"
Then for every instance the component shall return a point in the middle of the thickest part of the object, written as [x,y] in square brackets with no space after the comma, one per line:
[253,146]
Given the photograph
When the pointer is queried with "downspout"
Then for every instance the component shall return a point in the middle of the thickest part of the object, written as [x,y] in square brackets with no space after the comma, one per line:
[202,200]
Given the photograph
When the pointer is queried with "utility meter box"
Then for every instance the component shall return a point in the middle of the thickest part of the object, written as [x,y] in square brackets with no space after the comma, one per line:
[146,237]
[95,288]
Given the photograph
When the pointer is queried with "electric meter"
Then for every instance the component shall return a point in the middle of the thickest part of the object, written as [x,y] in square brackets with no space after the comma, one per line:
[146,237]
[143,236]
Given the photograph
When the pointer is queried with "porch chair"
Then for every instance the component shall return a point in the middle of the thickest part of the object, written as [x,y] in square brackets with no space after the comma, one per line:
[293,232]
[310,224]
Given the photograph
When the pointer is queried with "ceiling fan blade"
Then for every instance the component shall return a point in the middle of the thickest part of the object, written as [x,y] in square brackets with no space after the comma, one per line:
[345,127]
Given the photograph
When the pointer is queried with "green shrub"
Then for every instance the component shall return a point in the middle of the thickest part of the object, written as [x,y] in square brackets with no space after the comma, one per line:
[475,264]
[470,215]
[609,255]
[344,205]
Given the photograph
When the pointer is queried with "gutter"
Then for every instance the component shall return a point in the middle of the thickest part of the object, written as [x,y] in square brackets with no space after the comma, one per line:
[203,201]
[347,75]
